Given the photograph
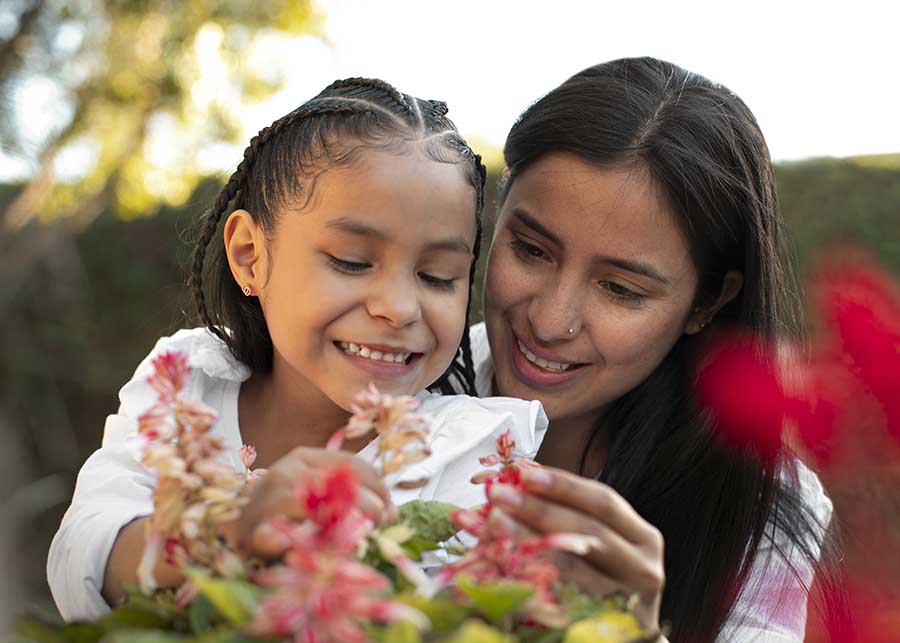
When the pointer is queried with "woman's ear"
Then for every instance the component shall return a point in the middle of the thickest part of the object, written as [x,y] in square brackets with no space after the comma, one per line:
[245,247]
[701,317]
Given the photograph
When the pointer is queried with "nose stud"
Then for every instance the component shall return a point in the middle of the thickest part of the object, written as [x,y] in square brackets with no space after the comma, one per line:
[571,330]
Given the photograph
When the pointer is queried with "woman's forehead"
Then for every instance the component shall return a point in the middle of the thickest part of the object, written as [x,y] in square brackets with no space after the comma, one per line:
[581,205]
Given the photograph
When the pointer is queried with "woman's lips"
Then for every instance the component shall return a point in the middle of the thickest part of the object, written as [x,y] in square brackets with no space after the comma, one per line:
[536,376]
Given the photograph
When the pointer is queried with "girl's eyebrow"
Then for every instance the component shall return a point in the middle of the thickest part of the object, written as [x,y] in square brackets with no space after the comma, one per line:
[345,224]
[631,265]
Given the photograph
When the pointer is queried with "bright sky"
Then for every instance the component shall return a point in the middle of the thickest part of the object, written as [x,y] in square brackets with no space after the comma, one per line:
[822,78]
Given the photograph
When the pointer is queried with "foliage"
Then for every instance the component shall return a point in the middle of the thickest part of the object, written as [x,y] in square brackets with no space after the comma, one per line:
[144,90]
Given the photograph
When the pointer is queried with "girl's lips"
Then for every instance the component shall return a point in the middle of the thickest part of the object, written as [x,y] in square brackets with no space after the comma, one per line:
[534,375]
[378,369]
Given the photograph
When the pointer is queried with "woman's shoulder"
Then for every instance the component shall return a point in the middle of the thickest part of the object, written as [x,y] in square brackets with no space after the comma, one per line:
[804,480]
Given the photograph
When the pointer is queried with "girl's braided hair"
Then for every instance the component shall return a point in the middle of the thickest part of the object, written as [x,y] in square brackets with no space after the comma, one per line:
[283,162]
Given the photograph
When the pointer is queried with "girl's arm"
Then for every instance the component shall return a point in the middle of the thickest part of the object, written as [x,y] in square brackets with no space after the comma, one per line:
[122,565]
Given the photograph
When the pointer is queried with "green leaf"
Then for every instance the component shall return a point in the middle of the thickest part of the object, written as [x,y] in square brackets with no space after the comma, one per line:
[401,632]
[234,600]
[38,631]
[479,632]
[609,627]
[444,614]
[416,546]
[144,636]
[133,618]
[430,519]
[83,632]
[200,613]
[495,600]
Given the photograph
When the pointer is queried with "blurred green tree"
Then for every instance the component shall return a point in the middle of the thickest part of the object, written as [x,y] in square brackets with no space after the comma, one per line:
[140,90]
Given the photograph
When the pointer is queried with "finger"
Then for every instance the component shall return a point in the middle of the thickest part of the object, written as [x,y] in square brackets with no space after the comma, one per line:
[573,569]
[267,542]
[367,475]
[590,497]
[612,555]
[501,524]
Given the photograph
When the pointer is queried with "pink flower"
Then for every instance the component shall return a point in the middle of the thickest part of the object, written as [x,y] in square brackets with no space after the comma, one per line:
[402,433]
[322,593]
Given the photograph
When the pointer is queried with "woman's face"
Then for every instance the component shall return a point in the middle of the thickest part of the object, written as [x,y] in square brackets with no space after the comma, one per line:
[589,284]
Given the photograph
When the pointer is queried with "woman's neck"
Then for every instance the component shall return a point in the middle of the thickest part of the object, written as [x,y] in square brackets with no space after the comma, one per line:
[567,440]
[277,414]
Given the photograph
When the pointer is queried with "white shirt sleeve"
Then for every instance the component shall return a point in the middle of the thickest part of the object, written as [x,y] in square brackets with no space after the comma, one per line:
[113,487]
[772,606]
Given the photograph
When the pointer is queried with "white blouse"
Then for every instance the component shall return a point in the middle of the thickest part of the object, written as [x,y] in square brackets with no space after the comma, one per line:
[114,488]
[772,605]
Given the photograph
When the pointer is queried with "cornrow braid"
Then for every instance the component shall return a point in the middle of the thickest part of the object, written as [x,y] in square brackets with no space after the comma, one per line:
[283,161]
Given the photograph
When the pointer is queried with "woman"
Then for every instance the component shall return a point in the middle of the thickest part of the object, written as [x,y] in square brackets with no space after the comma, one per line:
[638,217]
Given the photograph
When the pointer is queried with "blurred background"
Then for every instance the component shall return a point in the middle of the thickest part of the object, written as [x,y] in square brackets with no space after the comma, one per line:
[121,119]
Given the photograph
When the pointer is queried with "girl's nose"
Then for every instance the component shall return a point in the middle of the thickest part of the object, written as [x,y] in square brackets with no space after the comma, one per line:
[395,301]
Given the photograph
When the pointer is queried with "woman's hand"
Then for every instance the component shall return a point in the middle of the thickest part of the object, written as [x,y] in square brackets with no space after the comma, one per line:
[273,495]
[630,558]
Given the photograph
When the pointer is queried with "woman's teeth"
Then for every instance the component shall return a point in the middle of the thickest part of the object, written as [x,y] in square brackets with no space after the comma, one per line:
[540,361]
[364,351]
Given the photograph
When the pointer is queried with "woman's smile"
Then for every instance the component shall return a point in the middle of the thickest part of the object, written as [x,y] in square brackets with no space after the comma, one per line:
[540,368]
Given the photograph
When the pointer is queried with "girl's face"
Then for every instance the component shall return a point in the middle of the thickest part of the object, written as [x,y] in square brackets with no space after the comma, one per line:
[369,282]
[592,250]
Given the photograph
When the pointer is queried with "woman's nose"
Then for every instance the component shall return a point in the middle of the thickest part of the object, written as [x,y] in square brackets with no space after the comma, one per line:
[555,312]
[396,301]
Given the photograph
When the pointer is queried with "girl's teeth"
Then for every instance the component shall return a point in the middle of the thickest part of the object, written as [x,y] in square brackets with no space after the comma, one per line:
[540,361]
[363,351]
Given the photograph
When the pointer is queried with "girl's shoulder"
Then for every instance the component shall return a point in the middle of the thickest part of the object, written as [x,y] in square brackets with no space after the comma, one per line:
[464,429]
[209,358]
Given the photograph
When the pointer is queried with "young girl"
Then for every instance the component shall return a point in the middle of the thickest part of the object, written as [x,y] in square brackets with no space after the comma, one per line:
[348,259]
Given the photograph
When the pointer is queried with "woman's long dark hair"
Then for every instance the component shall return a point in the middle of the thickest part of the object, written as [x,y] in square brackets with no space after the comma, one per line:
[703,147]
[281,165]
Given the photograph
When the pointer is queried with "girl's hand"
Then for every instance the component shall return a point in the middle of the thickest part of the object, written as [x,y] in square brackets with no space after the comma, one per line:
[630,559]
[273,495]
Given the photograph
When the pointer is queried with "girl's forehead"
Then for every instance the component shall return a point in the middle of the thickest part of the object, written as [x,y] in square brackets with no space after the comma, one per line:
[393,195]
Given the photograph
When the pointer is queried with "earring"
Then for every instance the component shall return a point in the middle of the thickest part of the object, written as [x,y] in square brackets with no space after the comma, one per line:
[246,290]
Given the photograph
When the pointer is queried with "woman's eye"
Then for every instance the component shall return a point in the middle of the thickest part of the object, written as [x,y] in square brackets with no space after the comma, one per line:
[438,282]
[347,266]
[527,250]
[621,293]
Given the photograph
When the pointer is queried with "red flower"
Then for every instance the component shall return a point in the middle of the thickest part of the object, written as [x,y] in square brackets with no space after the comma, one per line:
[739,384]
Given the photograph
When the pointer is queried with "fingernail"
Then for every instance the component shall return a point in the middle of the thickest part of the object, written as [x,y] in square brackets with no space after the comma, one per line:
[506,495]
[537,476]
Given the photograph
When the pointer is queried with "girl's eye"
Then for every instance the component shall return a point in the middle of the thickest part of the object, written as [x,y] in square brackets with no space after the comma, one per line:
[525,250]
[621,294]
[347,266]
[447,285]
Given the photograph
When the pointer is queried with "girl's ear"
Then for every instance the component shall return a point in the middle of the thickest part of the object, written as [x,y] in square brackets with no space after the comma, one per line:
[245,247]
[701,317]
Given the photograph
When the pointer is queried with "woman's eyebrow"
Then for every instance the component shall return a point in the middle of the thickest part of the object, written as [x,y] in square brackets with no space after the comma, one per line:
[527,220]
[631,265]
[345,224]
